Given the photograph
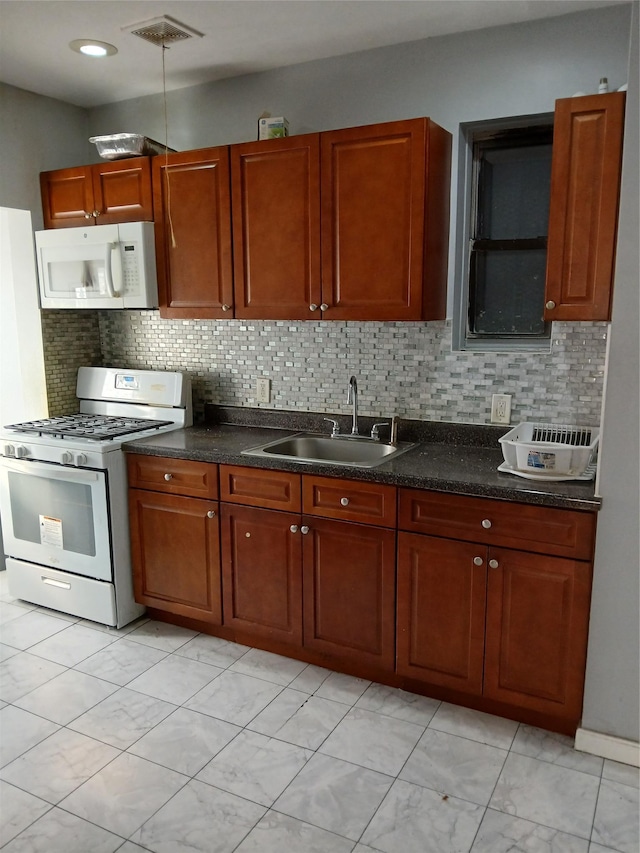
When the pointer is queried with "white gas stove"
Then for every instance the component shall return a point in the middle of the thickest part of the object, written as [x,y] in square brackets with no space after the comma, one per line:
[63,492]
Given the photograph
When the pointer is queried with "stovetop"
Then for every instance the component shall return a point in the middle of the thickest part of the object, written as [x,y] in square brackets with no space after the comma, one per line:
[87,426]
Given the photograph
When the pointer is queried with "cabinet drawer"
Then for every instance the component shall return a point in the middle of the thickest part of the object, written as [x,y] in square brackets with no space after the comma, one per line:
[173,476]
[543,530]
[259,487]
[369,503]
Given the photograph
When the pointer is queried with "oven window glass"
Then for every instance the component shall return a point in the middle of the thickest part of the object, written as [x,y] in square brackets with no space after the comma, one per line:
[55,513]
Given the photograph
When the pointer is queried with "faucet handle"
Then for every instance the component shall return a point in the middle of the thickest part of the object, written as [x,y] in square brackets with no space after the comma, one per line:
[335,429]
[374,430]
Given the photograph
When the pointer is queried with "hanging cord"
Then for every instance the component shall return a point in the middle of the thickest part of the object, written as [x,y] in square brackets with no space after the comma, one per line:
[166,148]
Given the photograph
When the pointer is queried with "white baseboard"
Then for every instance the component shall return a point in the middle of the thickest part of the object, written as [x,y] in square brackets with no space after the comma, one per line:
[607,746]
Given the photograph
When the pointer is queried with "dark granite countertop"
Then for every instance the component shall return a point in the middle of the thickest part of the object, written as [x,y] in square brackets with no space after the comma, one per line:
[456,458]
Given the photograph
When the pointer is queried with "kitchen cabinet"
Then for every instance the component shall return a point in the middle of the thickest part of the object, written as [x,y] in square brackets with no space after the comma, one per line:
[276,228]
[583,215]
[262,553]
[100,194]
[476,616]
[192,200]
[385,221]
[281,566]
[347,225]
[175,538]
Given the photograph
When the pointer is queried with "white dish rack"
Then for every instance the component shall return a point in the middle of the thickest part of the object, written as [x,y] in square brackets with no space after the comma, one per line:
[547,452]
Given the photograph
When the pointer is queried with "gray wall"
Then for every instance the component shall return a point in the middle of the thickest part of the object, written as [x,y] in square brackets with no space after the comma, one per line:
[37,134]
[612,686]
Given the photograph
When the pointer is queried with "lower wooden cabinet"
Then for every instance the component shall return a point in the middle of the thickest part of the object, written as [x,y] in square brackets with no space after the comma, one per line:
[175,549]
[441,611]
[507,625]
[262,572]
[473,600]
[349,591]
[537,626]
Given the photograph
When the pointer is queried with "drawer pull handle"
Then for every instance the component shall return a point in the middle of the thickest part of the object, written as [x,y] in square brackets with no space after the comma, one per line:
[211,514]
[486,523]
[53,582]
[493,564]
[304,529]
[294,528]
[168,477]
[478,561]
[344,501]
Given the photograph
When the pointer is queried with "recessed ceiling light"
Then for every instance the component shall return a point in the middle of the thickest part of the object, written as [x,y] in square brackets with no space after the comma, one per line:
[91,47]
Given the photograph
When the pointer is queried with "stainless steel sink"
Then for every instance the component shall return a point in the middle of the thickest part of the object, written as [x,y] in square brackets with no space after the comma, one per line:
[308,448]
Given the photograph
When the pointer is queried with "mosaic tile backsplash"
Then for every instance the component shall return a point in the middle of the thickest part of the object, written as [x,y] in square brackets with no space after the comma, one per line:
[406,369]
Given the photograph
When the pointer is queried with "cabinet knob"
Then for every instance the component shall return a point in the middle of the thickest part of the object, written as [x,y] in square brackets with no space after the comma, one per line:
[550,305]
[478,561]
[87,215]
[211,514]
[168,477]
[486,523]
[226,307]
[344,501]
[294,528]
[324,306]
[493,564]
[313,307]
[248,535]
[304,529]
[96,213]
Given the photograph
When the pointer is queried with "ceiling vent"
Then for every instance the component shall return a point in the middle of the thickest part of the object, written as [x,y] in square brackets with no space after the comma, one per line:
[163,31]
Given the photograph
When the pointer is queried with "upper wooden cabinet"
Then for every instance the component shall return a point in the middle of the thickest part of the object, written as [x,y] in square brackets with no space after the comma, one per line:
[276,228]
[583,215]
[193,234]
[385,221]
[118,191]
[344,225]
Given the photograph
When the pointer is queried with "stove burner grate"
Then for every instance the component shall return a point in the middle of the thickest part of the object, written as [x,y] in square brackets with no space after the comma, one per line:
[94,427]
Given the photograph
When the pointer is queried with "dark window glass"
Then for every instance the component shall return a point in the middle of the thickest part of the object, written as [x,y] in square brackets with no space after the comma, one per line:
[509,234]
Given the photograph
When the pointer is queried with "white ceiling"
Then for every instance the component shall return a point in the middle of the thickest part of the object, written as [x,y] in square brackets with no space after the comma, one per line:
[240,37]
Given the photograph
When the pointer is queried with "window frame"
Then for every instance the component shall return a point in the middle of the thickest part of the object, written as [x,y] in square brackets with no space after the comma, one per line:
[470,134]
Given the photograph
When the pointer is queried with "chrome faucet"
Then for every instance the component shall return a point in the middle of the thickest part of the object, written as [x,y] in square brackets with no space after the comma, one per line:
[352,397]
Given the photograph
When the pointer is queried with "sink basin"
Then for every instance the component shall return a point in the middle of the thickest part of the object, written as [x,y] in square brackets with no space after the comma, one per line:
[306,448]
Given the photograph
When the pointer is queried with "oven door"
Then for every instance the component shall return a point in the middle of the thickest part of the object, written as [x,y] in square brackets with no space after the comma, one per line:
[56,516]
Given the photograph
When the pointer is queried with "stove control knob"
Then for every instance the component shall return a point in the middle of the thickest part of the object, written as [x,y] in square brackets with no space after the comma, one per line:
[66,458]
[9,450]
[81,459]
[21,451]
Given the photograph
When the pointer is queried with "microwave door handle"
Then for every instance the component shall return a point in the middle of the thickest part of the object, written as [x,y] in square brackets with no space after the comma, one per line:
[108,275]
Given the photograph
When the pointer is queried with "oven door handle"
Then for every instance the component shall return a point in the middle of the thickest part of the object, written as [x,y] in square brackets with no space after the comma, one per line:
[52,470]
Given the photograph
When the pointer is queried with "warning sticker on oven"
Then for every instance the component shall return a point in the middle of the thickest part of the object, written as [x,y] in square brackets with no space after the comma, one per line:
[541,461]
[51,531]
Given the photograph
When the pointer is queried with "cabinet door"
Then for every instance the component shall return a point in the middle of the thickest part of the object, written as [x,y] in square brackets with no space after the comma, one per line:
[261,572]
[175,547]
[122,191]
[349,592]
[373,216]
[441,611]
[67,197]
[583,214]
[192,200]
[536,636]
[276,228]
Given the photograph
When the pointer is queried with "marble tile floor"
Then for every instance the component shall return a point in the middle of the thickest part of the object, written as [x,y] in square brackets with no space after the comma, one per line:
[155,738]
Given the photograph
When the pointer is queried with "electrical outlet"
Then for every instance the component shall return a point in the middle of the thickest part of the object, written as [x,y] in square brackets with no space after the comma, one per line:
[501,408]
[263,390]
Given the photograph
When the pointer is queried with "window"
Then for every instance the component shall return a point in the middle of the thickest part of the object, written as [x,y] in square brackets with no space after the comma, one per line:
[504,265]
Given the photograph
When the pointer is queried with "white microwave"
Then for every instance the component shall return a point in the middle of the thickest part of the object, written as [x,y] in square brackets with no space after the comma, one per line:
[99,266]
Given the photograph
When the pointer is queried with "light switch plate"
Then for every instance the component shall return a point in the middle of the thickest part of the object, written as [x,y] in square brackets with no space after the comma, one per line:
[263,390]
